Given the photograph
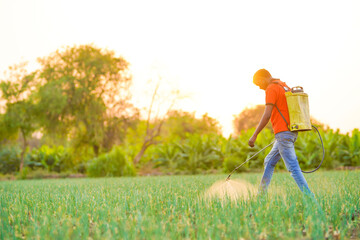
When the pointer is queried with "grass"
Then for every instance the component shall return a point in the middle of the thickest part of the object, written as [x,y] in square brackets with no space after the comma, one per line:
[172,207]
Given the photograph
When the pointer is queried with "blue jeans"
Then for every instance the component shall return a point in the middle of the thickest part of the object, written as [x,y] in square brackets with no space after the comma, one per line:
[284,148]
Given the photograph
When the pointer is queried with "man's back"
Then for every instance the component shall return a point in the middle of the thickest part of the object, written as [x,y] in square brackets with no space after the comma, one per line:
[275,94]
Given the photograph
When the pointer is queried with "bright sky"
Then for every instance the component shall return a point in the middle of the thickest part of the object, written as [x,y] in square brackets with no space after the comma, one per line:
[209,50]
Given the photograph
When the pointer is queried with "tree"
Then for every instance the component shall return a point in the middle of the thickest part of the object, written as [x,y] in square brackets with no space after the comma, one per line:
[19,116]
[155,122]
[178,123]
[249,118]
[84,94]
[117,128]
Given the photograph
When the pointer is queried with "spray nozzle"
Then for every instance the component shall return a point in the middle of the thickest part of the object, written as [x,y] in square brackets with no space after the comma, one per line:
[228,178]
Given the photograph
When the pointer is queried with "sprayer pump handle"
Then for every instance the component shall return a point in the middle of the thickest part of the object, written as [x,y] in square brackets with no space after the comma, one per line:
[297,89]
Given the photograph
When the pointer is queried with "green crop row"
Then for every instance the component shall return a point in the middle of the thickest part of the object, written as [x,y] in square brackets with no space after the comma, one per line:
[173,207]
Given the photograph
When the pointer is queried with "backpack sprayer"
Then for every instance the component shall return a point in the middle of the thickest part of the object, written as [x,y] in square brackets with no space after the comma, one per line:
[298,106]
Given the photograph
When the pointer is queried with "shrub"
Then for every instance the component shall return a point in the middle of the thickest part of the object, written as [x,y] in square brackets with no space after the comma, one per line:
[194,154]
[112,164]
[9,159]
[6,177]
[236,151]
[350,149]
[49,158]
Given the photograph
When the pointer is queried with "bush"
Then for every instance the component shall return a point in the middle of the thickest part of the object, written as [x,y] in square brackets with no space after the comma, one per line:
[28,173]
[236,151]
[9,159]
[112,164]
[6,177]
[45,157]
[195,154]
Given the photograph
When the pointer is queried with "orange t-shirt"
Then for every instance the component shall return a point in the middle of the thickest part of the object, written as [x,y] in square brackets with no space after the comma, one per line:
[275,94]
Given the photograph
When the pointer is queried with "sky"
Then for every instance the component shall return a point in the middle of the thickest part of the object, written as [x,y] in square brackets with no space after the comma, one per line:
[208,50]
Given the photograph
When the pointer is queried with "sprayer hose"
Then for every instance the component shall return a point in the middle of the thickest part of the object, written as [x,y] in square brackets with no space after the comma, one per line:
[322,144]
[250,159]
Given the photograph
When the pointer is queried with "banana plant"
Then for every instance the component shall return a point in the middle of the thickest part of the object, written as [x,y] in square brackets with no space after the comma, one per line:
[167,155]
[308,149]
[332,142]
[350,150]
[200,152]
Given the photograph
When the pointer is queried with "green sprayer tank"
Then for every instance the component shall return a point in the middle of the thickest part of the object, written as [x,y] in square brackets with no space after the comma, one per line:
[298,105]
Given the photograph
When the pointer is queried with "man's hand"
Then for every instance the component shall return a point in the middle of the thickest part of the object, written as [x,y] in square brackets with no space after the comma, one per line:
[252,141]
[264,120]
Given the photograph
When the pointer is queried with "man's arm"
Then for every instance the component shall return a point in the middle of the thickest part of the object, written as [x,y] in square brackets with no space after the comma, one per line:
[264,120]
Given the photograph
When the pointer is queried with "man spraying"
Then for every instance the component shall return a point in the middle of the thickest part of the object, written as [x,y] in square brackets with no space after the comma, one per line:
[276,110]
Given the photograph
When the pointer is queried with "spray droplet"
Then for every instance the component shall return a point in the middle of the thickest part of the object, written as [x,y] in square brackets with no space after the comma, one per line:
[232,189]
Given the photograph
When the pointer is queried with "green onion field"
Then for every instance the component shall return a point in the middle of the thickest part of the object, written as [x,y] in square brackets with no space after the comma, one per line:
[173,207]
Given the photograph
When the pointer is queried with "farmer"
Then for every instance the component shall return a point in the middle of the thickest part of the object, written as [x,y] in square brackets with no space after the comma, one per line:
[284,144]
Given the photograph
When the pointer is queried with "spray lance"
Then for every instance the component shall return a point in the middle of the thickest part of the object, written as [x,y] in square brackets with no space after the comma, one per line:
[298,106]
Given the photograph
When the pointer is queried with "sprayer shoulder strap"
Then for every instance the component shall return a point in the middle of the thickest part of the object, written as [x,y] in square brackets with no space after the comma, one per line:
[286,90]
[287,124]
[285,87]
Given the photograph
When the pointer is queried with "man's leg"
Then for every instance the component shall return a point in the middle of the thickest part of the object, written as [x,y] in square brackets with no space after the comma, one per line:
[287,151]
[270,162]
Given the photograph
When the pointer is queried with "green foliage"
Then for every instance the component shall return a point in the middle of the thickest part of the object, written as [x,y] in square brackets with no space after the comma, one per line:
[40,173]
[84,94]
[198,153]
[340,150]
[58,159]
[332,142]
[19,116]
[167,155]
[178,124]
[237,150]
[20,108]
[52,159]
[307,148]
[23,173]
[193,155]
[9,159]
[114,163]
[134,139]
[350,149]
